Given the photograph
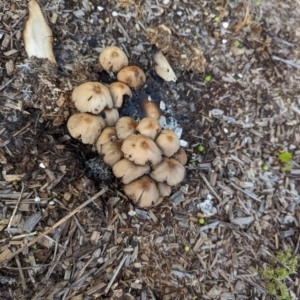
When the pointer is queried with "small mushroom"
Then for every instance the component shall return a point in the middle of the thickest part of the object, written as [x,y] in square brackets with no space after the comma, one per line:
[113,59]
[129,171]
[168,142]
[125,126]
[169,170]
[164,189]
[85,127]
[110,116]
[108,134]
[181,156]
[142,191]
[118,90]
[150,109]
[140,149]
[111,152]
[133,76]
[149,127]
[163,68]
[92,97]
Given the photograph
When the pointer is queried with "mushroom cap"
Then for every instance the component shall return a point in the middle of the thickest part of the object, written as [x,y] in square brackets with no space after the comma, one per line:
[118,90]
[163,68]
[164,189]
[150,109]
[129,171]
[140,149]
[92,97]
[181,156]
[110,116]
[142,191]
[125,126]
[149,127]
[85,127]
[169,170]
[168,142]
[113,59]
[133,76]
[112,152]
[107,135]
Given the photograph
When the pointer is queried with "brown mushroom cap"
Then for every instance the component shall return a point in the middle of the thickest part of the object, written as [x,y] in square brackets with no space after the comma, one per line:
[112,152]
[140,149]
[85,127]
[169,170]
[92,97]
[149,127]
[150,109]
[125,126]
[113,59]
[168,142]
[142,191]
[164,189]
[133,76]
[129,171]
[163,68]
[118,90]
[181,156]
[107,135]
[110,116]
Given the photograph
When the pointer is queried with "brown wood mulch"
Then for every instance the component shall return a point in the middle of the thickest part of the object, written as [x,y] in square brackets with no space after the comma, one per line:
[66,229]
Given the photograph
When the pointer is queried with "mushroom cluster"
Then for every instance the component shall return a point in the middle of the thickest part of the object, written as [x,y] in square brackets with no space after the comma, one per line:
[147,159]
[98,103]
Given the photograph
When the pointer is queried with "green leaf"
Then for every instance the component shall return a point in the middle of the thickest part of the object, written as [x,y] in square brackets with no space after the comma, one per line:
[285,157]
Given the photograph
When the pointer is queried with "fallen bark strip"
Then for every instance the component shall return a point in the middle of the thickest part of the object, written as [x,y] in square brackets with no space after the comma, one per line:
[69,215]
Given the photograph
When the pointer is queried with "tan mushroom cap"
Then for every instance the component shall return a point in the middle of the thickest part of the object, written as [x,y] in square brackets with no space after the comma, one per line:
[168,142]
[113,59]
[163,68]
[164,189]
[133,76]
[118,90]
[112,152]
[92,97]
[125,126]
[181,156]
[149,127]
[129,171]
[110,116]
[169,170]
[150,109]
[141,149]
[107,135]
[85,127]
[142,191]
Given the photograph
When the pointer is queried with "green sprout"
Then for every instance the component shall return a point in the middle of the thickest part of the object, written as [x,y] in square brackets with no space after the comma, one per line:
[187,248]
[216,19]
[274,275]
[201,221]
[265,167]
[208,78]
[193,163]
[200,148]
[285,157]
[257,2]
[236,43]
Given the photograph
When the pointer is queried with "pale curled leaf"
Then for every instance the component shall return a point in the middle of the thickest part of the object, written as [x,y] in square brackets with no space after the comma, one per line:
[37,34]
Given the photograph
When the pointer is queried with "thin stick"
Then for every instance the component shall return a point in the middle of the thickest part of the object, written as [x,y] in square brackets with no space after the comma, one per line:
[115,274]
[69,215]
[288,62]
[15,209]
[210,187]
